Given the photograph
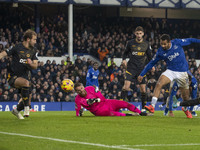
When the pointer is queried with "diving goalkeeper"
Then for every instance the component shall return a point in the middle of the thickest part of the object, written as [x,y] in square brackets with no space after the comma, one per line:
[95,102]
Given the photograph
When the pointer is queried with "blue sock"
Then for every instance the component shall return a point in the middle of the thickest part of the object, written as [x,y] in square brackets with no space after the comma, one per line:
[166,111]
[191,108]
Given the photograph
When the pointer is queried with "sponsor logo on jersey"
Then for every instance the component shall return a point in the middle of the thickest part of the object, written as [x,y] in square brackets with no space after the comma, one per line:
[27,55]
[171,57]
[138,53]
[133,45]
[21,51]
[23,61]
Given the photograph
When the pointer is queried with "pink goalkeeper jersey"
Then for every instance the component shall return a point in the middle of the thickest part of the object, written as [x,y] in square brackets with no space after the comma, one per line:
[91,93]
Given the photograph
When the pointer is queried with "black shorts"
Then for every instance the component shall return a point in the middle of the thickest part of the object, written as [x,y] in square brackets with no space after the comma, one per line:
[132,75]
[11,79]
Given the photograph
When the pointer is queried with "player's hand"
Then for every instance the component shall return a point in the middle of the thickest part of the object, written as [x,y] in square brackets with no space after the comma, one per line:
[93,100]
[29,61]
[124,63]
[140,79]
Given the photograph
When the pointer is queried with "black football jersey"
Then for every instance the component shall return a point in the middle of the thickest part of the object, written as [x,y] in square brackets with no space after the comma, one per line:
[20,54]
[138,52]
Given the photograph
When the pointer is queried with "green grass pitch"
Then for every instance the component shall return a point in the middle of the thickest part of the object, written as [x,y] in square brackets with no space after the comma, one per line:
[65,131]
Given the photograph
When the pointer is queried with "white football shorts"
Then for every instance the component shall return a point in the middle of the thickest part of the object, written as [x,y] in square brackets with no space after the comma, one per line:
[181,78]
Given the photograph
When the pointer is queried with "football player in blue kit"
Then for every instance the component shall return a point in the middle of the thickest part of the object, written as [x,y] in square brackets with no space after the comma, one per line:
[92,76]
[172,53]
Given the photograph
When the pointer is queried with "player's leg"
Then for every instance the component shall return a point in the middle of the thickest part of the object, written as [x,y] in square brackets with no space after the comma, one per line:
[194,96]
[116,113]
[128,79]
[166,110]
[173,90]
[163,80]
[125,90]
[192,102]
[24,85]
[184,88]
[115,105]
[16,112]
[143,96]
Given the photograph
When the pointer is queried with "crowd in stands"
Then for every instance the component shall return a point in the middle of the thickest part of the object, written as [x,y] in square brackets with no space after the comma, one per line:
[103,38]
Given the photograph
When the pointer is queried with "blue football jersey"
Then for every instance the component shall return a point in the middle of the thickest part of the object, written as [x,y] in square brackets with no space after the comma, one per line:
[92,77]
[174,57]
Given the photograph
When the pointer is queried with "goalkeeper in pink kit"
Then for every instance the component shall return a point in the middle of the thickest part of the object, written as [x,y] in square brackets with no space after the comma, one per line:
[95,102]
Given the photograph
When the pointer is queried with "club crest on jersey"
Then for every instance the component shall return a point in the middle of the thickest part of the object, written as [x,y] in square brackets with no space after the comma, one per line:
[175,46]
[139,48]
[27,55]
[21,51]
[171,57]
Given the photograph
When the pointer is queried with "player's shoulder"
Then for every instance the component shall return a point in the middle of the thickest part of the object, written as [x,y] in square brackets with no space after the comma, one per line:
[177,41]
[77,98]
[20,45]
[145,41]
[131,41]
[89,88]
[160,50]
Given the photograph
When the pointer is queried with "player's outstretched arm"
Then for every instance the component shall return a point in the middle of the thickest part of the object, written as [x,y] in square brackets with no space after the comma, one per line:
[3,54]
[93,100]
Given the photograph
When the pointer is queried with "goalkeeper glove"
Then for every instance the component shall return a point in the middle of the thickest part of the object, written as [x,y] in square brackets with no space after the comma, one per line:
[93,100]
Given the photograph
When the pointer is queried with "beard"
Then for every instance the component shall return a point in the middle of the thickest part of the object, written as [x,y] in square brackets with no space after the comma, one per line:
[30,45]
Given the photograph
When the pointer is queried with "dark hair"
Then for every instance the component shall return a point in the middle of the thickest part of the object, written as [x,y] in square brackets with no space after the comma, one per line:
[165,37]
[139,28]
[29,34]
[77,85]
[95,63]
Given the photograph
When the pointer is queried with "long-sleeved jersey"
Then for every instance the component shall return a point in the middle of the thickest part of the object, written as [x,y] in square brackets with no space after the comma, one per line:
[20,54]
[138,53]
[91,93]
[92,77]
[174,57]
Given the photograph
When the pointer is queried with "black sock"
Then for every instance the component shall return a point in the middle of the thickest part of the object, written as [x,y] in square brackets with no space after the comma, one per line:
[20,106]
[25,95]
[143,99]
[129,114]
[124,94]
[190,102]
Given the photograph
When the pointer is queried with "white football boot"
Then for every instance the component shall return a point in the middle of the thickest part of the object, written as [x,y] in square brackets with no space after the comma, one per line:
[26,111]
[17,114]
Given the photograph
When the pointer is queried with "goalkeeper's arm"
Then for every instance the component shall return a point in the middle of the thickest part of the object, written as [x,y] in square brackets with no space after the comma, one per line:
[93,100]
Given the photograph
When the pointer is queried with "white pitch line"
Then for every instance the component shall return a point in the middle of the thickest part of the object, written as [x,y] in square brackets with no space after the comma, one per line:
[154,145]
[69,141]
